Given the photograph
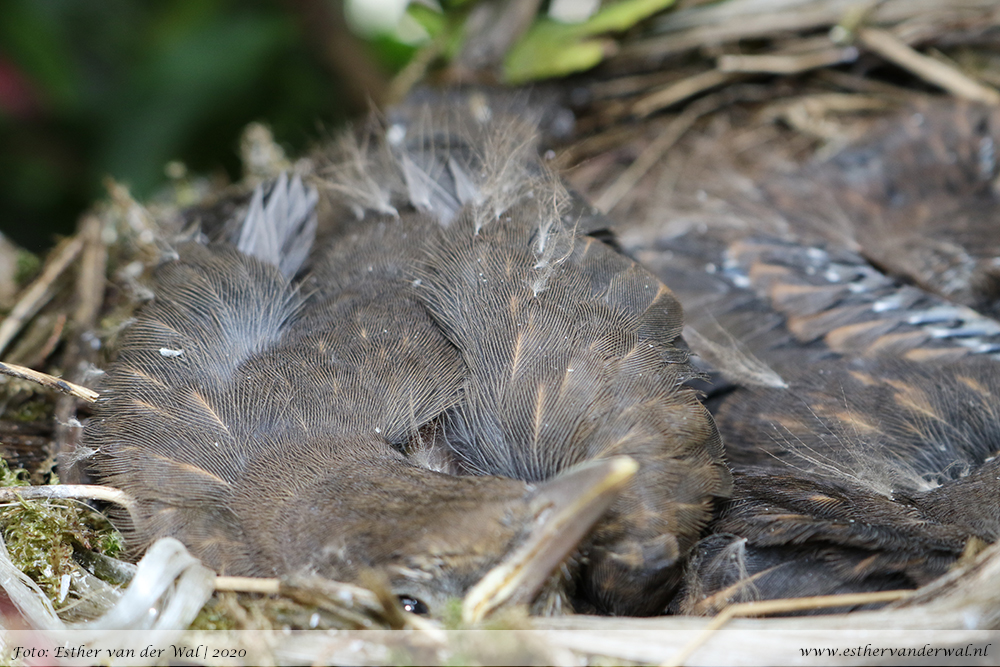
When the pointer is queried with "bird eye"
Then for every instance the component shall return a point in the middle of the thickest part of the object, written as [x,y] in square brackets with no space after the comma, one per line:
[413,605]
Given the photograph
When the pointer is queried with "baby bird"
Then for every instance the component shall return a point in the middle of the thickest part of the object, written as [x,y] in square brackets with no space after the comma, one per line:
[269,428]
[845,309]
[859,416]
[917,195]
[447,386]
[570,348]
[860,475]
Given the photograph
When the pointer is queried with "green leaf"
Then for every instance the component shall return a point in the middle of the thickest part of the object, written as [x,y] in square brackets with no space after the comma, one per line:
[434,22]
[541,58]
[623,15]
[553,49]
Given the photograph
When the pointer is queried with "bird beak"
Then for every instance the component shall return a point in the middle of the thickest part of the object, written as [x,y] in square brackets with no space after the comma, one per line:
[571,504]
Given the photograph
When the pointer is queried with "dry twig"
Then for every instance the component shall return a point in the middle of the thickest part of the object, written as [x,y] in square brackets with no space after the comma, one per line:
[40,291]
[78,353]
[680,91]
[791,63]
[933,71]
[49,381]
[779,607]
[68,492]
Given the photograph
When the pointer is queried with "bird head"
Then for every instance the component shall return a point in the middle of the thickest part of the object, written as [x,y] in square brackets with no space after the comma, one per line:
[430,536]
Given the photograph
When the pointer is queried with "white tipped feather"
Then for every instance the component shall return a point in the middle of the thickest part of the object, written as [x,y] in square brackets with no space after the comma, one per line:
[444,167]
[281,231]
[737,363]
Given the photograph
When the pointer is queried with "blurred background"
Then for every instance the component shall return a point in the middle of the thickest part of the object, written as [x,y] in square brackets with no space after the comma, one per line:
[121,88]
[145,92]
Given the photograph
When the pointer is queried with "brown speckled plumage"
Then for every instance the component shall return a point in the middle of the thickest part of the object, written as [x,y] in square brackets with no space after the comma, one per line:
[454,342]
[858,409]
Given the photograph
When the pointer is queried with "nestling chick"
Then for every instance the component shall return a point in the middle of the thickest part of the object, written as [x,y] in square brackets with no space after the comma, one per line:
[845,308]
[569,347]
[858,413]
[450,383]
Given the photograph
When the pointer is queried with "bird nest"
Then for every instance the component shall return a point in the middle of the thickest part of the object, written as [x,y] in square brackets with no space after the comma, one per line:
[746,89]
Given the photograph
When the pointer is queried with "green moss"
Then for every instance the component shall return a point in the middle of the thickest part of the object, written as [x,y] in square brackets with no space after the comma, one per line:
[10,477]
[41,535]
[451,615]
[508,618]
[214,616]
[33,410]
[27,266]
[36,535]
[112,544]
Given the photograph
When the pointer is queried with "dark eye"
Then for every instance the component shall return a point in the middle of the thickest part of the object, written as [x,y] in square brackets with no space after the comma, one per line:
[413,605]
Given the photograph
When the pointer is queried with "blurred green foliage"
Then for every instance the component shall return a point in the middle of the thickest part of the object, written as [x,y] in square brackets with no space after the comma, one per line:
[552,49]
[117,87]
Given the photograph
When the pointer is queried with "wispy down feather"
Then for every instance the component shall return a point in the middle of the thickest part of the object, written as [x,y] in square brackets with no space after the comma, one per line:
[418,397]
[570,349]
